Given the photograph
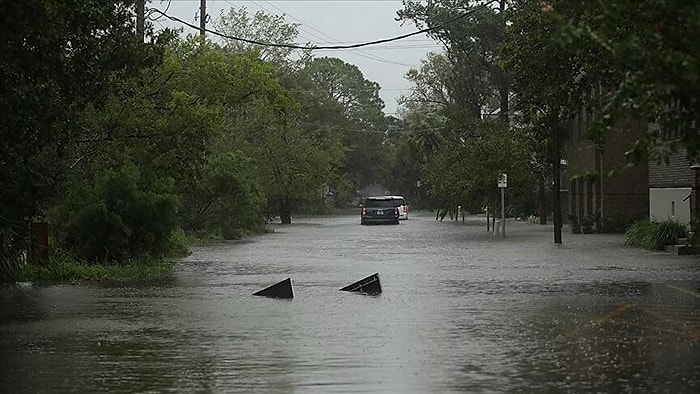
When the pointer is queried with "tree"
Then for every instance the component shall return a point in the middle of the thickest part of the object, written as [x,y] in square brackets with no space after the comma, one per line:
[337,98]
[124,213]
[230,198]
[466,173]
[465,88]
[432,81]
[548,81]
[261,122]
[473,45]
[652,58]
[56,58]
[259,27]
[425,134]
[649,50]
[325,118]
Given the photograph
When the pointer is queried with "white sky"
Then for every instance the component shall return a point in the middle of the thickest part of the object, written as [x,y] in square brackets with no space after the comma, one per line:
[328,22]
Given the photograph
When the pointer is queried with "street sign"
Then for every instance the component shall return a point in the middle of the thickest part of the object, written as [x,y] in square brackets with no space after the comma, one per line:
[502,184]
[503,180]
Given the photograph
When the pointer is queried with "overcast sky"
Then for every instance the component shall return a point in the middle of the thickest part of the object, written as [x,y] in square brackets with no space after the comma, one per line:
[326,22]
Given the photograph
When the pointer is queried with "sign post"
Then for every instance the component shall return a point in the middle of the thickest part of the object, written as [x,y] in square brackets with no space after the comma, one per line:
[502,184]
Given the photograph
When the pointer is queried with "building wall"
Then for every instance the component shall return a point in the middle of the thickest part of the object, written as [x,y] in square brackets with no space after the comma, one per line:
[676,173]
[667,203]
[581,160]
[670,184]
[624,193]
[627,191]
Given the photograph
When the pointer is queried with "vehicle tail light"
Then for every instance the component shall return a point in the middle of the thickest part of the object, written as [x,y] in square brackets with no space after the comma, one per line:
[364,212]
[405,208]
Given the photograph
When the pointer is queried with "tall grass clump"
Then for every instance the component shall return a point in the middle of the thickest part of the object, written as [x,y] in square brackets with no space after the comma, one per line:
[63,271]
[655,235]
[12,253]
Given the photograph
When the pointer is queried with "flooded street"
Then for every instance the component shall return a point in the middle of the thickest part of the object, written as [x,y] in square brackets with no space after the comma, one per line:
[461,311]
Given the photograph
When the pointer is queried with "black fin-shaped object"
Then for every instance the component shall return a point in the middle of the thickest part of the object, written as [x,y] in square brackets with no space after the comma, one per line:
[283,289]
[369,285]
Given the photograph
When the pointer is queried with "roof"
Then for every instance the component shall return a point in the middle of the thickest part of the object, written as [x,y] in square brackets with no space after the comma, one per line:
[385,198]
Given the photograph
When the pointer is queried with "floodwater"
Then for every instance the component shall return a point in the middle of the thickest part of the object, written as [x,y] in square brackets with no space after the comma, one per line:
[461,311]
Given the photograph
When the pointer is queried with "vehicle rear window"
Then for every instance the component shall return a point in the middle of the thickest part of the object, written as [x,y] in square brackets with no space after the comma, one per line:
[370,203]
[399,202]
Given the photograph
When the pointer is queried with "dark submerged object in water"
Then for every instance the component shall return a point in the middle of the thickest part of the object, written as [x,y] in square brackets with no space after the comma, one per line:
[283,289]
[369,285]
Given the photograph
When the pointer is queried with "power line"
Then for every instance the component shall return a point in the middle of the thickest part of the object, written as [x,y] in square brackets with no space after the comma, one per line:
[357,51]
[150,11]
[297,46]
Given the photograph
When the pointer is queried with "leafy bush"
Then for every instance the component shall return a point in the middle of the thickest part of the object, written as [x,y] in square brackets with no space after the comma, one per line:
[228,201]
[12,247]
[654,235]
[178,244]
[124,215]
[615,222]
[532,219]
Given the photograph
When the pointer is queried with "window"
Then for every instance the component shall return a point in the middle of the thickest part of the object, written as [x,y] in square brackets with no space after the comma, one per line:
[377,203]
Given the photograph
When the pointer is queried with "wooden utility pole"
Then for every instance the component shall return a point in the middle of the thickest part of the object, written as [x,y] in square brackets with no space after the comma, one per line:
[202,18]
[140,18]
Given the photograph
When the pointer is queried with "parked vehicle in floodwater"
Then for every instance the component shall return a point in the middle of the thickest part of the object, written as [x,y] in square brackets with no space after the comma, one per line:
[400,203]
[378,210]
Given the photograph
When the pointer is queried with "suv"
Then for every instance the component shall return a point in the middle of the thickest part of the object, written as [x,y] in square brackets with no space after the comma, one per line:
[380,210]
[400,203]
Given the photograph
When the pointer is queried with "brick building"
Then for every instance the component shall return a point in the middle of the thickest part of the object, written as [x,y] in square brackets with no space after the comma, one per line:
[671,185]
[622,196]
[657,190]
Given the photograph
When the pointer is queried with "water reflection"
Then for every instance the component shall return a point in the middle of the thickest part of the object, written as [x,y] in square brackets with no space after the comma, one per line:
[632,346]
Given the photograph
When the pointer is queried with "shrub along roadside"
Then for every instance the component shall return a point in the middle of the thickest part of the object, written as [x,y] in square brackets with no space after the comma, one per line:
[654,235]
[71,271]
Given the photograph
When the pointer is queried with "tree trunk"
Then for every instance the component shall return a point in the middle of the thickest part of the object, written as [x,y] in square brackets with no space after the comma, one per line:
[542,201]
[504,88]
[286,217]
[488,224]
[285,212]
[556,170]
[494,215]
[504,91]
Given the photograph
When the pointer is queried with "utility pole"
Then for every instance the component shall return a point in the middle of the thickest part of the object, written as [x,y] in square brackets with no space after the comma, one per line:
[140,18]
[202,18]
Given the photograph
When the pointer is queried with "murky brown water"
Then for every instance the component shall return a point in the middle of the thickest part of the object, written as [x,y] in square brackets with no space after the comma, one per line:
[461,311]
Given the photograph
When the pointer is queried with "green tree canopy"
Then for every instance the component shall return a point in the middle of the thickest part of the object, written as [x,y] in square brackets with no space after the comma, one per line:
[473,43]
[337,98]
[652,59]
[56,58]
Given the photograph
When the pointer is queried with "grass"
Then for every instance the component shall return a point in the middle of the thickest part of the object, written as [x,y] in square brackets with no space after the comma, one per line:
[654,235]
[63,271]
[532,219]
